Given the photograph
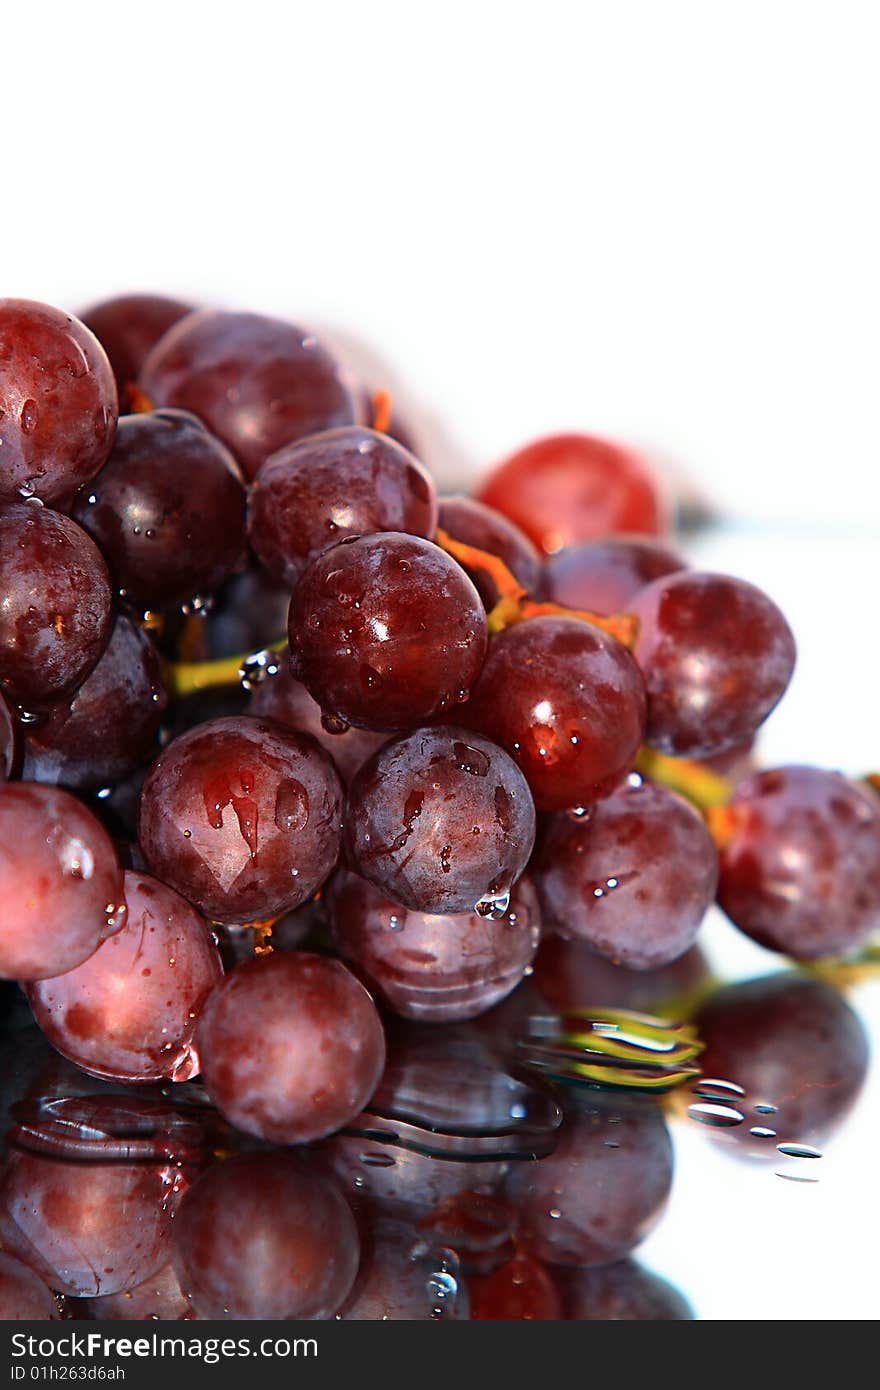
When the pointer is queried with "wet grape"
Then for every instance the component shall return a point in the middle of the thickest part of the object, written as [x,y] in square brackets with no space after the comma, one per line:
[284,698]
[128,326]
[604,576]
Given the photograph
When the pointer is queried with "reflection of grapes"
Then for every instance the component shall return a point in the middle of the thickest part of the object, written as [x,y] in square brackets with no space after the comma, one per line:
[624,1292]
[23,1296]
[403,1277]
[159,1299]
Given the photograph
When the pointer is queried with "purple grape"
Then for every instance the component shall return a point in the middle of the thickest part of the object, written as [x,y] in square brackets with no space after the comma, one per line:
[404,1278]
[55,614]
[433,967]
[387,632]
[286,699]
[129,1012]
[263,1236]
[129,326]
[473,523]
[623,1292]
[633,878]
[717,656]
[258,383]
[242,817]
[61,891]
[291,1047]
[58,403]
[159,1299]
[800,865]
[604,576]
[344,482]
[109,726]
[167,509]
[23,1295]
[441,820]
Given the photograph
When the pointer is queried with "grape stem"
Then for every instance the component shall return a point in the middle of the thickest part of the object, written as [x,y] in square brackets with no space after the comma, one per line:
[187,677]
[381,411]
[135,401]
[705,788]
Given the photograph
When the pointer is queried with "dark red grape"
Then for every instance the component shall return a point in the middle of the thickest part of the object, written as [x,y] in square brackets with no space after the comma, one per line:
[87,1228]
[249,613]
[128,326]
[23,1295]
[55,613]
[387,632]
[794,1046]
[262,1236]
[344,482]
[159,1299]
[441,820]
[623,1292]
[291,1047]
[473,523]
[129,1012]
[633,878]
[258,383]
[8,741]
[567,701]
[604,576]
[60,882]
[598,1195]
[58,403]
[109,726]
[286,699]
[520,1290]
[573,487]
[717,656]
[433,967]
[800,867]
[403,1277]
[167,509]
[242,817]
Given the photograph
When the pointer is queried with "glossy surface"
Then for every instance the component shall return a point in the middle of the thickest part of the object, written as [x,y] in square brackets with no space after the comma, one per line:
[55,614]
[60,882]
[404,1277]
[129,1012]
[242,817]
[573,487]
[472,522]
[128,326]
[8,741]
[58,403]
[257,383]
[291,1047]
[717,656]
[344,482]
[567,702]
[633,878]
[387,632]
[433,967]
[109,726]
[624,1292]
[23,1295]
[441,820]
[800,870]
[286,699]
[603,576]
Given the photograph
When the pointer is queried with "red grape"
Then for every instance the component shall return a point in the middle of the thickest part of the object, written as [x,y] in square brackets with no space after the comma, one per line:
[717,656]
[634,878]
[344,482]
[604,576]
[262,1236]
[291,1047]
[61,887]
[58,403]
[433,967]
[473,523]
[520,1290]
[167,509]
[441,820]
[623,1292]
[573,487]
[129,1012]
[567,701]
[55,615]
[387,632]
[403,1278]
[8,741]
[258,383]
[800,869]
[286,699]
[159,1299]
[23,1296]
[128,326]
[242,817]
[109,726]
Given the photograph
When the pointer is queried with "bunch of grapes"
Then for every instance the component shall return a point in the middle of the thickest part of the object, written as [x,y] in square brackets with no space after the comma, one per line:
[296,755]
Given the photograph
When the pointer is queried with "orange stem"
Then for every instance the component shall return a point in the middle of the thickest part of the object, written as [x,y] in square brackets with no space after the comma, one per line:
[134,401]
[381,411]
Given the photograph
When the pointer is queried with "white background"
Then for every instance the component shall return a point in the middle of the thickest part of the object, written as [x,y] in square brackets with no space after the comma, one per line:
[654,220]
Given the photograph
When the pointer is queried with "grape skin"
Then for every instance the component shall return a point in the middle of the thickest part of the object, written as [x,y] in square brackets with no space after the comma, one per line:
[129,1012]
[8,741]
[800,869]
[438,968]
[58,404]
[387,632]
[393,1283]
[242,817]
[55,616]
[258,383]
[291,1047]
[128,326]
[440,820]
[344,482]
[604,576]
[283,698]
[61,890]
[623,1292]
[633,879]
[23,1295]
[262,1236]
[717,656]
[565,700]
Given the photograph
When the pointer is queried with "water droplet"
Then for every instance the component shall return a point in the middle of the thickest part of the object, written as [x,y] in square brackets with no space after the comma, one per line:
[374,1158]
[718,1116]
[332,724]
[257,668]
[711,1089]
[761,1132]
[493,905]
[577,813]
[762,1108]
[799,1151]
